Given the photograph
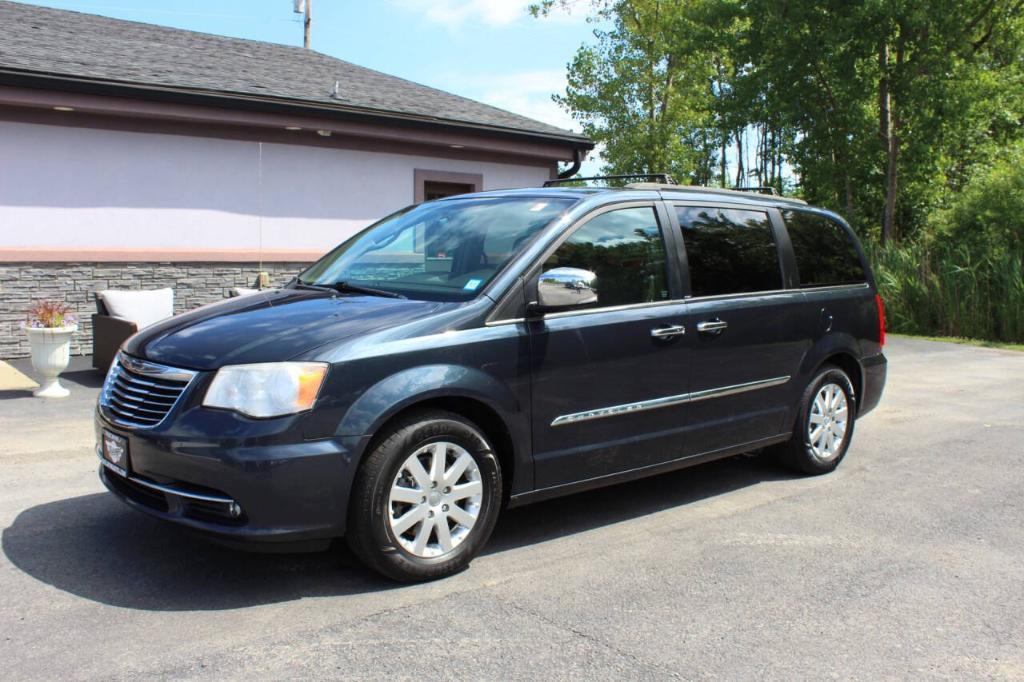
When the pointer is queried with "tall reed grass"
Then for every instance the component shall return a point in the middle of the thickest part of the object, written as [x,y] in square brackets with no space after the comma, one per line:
[951,290]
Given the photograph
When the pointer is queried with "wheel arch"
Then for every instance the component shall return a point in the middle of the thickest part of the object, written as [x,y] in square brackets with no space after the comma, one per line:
[836,349]
[464,391]
[476,411]
[849,364]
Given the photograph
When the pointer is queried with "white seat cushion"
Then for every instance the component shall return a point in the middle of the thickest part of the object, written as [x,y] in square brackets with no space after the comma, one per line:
[141,307]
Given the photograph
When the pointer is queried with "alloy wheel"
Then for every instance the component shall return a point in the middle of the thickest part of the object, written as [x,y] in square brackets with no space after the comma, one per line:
[827,422]
[435,499]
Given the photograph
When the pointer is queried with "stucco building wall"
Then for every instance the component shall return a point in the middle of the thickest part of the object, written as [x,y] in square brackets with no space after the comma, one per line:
[84,209]
[67,187]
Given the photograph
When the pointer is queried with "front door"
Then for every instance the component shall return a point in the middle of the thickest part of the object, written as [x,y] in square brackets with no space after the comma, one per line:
[750,333]
[604,378]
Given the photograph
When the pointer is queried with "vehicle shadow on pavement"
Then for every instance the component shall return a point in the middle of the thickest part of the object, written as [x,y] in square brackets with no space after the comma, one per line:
[604,506]
[93,547]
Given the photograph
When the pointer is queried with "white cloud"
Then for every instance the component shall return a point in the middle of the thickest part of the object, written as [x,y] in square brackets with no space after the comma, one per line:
[527,93]
[500,13]
[453,13]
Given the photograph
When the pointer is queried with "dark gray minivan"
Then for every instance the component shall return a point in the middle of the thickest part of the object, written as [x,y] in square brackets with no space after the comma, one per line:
[493,349]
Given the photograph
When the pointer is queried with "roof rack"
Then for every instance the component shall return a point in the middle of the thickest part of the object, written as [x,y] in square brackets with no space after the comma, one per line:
[760,190]
[660,178]
[697,189]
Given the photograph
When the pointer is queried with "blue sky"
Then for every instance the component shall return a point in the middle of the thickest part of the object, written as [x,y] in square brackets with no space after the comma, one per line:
[489,50]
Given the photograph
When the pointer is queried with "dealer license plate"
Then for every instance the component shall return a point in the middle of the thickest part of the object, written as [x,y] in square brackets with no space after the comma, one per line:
[115,450]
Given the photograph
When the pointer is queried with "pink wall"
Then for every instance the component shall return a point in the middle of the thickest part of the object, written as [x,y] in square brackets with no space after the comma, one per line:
[86,188]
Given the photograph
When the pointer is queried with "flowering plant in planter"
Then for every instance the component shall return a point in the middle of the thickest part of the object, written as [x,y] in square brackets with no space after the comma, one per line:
[49,326]
[50,315]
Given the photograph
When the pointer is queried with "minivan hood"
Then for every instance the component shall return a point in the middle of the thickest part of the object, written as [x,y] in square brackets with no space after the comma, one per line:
[269,326]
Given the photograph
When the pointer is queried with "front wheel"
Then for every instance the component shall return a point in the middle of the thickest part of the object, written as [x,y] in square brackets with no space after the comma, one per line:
[426,498]
[824,426]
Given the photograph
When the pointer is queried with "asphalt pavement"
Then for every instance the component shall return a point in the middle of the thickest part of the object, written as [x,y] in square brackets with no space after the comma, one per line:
[908,562]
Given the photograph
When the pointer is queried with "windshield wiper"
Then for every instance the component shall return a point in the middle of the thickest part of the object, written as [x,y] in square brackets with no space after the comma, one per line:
[306,285]
[344,287]
[369,291]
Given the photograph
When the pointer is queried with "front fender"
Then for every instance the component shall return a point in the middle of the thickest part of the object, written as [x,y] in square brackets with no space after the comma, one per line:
[393,394]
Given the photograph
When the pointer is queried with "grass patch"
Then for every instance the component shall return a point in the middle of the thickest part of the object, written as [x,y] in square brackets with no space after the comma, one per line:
[966,342]
[952,290]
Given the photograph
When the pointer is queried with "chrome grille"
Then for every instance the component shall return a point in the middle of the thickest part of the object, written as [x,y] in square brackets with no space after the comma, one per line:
[141,393]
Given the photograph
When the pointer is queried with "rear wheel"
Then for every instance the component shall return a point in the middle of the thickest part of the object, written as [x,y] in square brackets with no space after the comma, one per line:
[426,498]
[824,426]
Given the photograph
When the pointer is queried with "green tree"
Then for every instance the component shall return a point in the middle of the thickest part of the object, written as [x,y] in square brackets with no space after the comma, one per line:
[879,108]
[988,213]
[928,56]
[645,90]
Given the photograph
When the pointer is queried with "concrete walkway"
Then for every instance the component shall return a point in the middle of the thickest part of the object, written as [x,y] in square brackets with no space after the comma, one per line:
[11,379]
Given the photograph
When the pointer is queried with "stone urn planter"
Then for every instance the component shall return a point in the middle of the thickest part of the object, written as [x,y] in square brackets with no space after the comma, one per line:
[50,326]
[51,352]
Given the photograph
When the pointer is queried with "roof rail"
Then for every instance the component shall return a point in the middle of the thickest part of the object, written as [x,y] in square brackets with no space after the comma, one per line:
[661,178]
[697,189]
[760,190]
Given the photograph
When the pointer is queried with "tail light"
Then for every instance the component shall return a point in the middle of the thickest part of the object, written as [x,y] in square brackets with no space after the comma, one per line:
[881,320]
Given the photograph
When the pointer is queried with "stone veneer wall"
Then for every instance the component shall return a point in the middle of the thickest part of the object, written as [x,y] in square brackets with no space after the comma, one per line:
[194,284]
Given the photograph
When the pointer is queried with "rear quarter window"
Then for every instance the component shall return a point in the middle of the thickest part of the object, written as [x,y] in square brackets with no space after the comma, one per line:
[825,251]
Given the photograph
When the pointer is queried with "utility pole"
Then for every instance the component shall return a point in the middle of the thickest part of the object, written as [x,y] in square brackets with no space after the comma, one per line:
[304,7]
[306,23]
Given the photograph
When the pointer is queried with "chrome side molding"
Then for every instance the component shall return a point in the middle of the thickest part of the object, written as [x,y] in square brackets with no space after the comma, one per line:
[737,388]
[667,401]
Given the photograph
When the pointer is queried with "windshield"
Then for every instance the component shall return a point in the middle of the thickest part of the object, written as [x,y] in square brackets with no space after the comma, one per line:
[440,251]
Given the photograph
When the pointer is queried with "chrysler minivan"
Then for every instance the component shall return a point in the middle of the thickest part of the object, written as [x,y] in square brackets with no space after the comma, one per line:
[483,351]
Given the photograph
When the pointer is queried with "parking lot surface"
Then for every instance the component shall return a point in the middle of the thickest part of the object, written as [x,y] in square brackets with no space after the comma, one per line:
[906,562]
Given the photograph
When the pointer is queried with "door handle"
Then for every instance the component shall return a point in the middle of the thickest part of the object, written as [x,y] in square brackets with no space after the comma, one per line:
[712,326]
[668,332]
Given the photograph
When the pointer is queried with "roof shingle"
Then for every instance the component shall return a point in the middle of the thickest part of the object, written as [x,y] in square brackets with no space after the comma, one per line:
[86,46]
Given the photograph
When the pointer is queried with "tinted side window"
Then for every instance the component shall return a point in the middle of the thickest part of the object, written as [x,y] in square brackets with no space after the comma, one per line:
[624,248]
[825,254]
[729,250]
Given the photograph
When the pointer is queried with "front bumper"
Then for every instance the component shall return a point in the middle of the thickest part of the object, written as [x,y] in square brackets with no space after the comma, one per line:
[263,490]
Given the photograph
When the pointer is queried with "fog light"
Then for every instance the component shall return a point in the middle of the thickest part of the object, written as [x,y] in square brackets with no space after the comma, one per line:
[235,510]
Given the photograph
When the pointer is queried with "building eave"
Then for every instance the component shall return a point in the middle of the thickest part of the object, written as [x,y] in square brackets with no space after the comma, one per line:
[269,104]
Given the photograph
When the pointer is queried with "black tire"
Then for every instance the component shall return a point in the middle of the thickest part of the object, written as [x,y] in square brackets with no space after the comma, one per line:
[797,453]
[369,533]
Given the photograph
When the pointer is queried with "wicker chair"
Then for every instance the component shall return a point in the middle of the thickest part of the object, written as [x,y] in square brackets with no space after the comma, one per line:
[119,314]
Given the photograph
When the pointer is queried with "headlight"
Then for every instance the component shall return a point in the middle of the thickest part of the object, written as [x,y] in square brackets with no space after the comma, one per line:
[268,389]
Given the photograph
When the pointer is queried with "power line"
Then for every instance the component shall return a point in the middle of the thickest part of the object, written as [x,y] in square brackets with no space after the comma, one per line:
[77,6]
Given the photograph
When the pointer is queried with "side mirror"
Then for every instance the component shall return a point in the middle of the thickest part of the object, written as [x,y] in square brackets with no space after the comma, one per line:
[564,288]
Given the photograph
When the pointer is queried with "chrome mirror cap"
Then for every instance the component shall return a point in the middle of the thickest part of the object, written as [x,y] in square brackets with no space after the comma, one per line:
[563,288]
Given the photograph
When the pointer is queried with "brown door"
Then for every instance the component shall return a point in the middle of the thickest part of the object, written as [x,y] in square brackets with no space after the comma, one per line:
[438,190]
[434,184]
